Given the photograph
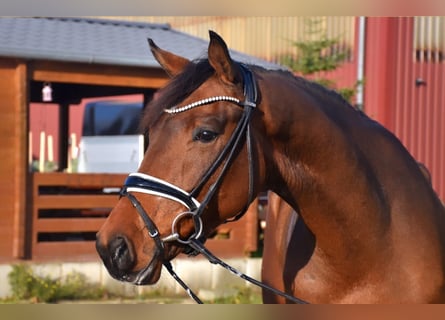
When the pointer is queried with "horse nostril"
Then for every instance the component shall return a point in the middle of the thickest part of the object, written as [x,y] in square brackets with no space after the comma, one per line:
[121,253]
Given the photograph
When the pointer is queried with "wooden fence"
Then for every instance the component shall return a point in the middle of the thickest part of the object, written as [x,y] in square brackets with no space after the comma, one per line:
[68,209]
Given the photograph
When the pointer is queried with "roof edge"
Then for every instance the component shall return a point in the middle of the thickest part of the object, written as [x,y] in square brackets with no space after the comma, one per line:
[164,26]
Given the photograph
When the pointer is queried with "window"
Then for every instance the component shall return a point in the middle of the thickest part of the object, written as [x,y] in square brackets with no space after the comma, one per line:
[429,39]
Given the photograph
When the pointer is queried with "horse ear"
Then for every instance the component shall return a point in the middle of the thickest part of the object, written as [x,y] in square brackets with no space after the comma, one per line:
[171,63]
[220,60]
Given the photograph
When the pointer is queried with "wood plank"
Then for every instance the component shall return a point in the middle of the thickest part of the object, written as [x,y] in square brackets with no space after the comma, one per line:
[75,201]
[69,225]
[20,160]
[81,180]
[81,73]
[66,251]
[13,157]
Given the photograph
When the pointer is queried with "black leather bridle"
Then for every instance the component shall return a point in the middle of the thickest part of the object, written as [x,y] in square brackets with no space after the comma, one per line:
[142,183]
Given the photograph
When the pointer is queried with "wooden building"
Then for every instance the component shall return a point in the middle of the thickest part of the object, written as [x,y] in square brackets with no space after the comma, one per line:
[55,215]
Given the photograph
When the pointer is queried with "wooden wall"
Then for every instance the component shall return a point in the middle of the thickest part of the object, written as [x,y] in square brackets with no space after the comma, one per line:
[267,37]
[13,157]
[412,110]
[15,95]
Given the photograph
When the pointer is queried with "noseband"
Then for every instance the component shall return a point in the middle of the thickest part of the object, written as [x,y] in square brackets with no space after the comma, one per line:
[143,183]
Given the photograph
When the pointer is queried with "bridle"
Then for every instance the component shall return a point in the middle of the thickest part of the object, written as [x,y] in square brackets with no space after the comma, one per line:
[143,183]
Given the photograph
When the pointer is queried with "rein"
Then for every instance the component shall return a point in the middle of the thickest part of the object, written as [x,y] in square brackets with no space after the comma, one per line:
[139,182]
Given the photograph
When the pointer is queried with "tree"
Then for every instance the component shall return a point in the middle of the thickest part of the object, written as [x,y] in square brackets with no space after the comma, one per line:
[317,55]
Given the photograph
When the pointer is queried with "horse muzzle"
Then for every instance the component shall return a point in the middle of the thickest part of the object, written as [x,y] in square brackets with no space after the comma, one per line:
[118,256]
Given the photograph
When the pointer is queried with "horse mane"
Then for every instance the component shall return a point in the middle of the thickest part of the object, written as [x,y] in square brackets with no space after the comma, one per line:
[318,89]
[198,71]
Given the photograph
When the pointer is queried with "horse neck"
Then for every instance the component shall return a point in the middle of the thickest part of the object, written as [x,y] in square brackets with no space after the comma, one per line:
[315,166]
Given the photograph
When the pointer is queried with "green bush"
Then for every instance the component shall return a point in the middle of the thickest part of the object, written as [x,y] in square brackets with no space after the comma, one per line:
[242,296]
[25,285]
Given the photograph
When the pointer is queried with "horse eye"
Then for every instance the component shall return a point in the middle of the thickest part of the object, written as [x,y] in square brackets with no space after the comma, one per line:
[204,135]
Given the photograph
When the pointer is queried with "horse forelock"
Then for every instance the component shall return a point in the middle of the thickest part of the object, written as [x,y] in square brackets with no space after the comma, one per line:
[179,88]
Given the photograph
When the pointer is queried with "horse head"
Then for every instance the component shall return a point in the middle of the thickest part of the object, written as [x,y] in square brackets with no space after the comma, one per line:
[195,173]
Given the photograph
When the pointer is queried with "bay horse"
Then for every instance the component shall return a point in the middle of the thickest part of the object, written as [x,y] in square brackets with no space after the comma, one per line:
[362,224]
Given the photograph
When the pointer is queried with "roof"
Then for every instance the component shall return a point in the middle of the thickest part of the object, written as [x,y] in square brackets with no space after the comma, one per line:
[100,41]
